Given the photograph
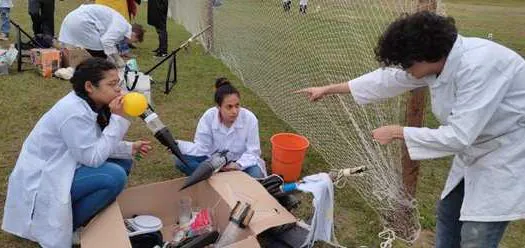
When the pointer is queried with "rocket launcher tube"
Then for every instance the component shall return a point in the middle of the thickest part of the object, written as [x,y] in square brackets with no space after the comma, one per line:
[161,132]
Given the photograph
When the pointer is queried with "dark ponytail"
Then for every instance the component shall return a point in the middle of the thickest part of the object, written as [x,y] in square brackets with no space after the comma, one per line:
[92,70]
[223,87]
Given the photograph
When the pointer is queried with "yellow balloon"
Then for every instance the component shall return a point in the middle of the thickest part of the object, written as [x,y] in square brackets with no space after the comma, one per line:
[135,104]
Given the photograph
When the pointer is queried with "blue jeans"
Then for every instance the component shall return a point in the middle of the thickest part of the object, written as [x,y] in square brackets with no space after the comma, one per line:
[452,233]
[194,161]
[123,47]
[4,20]
[95,188]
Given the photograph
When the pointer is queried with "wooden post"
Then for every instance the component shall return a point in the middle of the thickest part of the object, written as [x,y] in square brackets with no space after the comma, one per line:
[415,112]
[208,37]
[430,5]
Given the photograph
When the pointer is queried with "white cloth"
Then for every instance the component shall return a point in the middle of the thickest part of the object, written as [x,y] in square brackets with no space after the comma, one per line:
[38,203]
[241,139]
[95,27]
[479,98]
[322,226]
[142,86]
[6,4]
[65,73]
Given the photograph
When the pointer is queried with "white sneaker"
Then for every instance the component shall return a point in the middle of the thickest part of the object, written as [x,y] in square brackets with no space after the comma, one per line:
[3,36]
[76,236]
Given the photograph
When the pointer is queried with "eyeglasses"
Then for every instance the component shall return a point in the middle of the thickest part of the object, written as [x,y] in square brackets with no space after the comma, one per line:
[114,85]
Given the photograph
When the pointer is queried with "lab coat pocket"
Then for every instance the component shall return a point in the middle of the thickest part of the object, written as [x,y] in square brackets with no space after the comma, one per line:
[18,211]
[48,211]
[40,214]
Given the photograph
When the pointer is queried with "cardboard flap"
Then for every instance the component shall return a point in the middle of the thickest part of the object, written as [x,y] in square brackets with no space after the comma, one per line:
[238,186]
[251,242]
[106,230]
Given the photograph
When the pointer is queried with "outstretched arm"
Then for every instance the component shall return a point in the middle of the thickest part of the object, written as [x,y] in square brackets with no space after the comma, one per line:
[316,93]
[380,84]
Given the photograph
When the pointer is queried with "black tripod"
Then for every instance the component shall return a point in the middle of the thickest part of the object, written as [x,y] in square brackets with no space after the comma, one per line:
[21,31]
[173,62]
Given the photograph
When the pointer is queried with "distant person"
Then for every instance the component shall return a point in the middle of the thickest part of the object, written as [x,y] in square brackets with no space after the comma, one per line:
[42,14]
[5,9]
[477,90]
[157,17]
[74,162]
[287,5]
[217,3]
[226,126]
[99,29]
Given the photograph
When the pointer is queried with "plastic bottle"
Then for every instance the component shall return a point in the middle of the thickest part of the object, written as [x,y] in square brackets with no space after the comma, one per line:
[240,217]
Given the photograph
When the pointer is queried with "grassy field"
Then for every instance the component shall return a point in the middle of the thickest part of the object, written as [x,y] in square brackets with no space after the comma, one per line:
[26,96]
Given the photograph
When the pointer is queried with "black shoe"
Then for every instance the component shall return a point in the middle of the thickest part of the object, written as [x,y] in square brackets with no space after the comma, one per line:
[155,51]
[302,9]
[287,5]
[161,54]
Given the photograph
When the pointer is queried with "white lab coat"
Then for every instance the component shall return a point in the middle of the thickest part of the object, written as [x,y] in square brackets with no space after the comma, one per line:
[95,27]
[38,203]
[479,98]
[241,139]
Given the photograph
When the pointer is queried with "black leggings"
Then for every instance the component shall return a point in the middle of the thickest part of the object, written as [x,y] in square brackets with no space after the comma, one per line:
[97,53]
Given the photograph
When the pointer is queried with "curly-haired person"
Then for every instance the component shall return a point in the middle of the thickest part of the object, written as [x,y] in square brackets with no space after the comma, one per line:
[477,90]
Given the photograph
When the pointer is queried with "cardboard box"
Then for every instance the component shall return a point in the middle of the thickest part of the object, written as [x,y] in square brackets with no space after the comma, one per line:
[71,57]
[47,60]
[220,192]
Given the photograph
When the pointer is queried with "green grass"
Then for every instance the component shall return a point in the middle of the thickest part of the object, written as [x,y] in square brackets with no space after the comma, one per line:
[26,96]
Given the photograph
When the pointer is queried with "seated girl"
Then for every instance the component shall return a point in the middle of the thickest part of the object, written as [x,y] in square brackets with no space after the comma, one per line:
[74,162]
[225,127]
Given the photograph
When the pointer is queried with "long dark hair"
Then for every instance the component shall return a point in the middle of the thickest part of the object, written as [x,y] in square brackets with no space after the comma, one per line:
[92,70]
[223,87]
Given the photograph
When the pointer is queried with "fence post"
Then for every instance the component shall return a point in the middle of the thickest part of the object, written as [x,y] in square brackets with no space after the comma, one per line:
[209,22]
[415,112]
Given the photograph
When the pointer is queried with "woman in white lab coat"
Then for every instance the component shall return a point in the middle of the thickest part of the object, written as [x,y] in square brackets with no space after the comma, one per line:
[225,127]
[477,90]
[99,29]
[74,162]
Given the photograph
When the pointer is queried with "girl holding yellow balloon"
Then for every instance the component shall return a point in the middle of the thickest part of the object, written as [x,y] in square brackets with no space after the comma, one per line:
[74,162]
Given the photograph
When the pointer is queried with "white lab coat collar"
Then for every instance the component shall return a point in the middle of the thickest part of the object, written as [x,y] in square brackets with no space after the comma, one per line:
[89,110]
[452,62]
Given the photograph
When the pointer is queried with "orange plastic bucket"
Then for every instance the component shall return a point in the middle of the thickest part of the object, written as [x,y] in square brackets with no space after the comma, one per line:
[288,151]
